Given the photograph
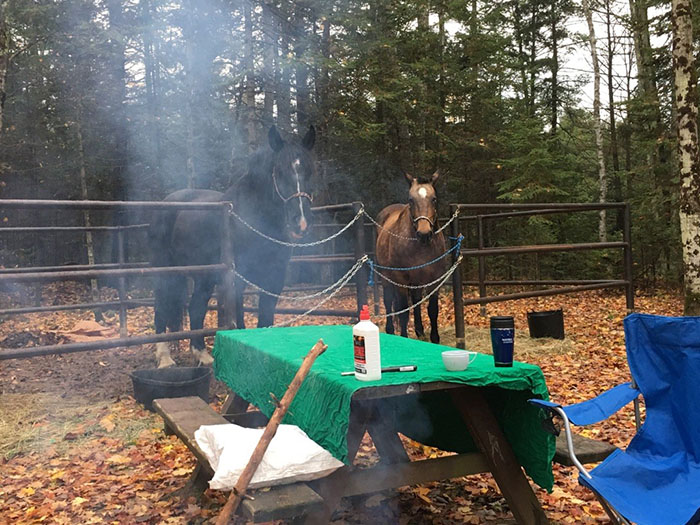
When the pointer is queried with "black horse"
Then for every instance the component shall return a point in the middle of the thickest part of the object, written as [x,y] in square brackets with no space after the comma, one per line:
[272,197]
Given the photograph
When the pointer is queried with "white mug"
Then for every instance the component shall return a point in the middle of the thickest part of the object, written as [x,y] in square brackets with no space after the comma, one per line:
[458,360]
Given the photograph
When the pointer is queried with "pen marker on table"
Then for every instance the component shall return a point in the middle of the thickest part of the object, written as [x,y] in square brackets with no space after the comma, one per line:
[405,368]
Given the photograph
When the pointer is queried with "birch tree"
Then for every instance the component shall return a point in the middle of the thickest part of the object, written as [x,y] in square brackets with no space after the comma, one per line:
[685,86]
[602,177]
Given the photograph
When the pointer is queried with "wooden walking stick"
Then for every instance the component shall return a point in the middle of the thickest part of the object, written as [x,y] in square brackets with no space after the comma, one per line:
[238,491]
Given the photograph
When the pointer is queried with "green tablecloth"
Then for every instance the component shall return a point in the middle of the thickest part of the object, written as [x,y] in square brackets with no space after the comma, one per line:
[255,362]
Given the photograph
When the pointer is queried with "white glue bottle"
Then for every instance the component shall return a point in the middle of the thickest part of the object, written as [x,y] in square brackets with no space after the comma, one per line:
[365,336]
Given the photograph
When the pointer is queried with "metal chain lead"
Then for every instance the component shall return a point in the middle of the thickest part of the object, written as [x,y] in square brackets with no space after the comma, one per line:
[295,244]
[351,272]
[409,286]
[328,298]
[439,230]
[424,299]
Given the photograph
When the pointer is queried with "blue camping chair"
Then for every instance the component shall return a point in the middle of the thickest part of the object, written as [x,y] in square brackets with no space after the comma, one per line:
[656,480]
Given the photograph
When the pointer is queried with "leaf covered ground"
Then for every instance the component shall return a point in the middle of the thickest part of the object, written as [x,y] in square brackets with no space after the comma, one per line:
[76,448]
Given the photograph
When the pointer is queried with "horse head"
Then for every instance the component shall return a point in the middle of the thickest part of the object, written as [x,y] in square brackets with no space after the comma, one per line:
[422,203]
[292,172]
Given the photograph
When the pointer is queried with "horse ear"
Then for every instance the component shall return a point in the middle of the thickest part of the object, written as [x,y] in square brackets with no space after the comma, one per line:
[410,178]
[273,137]
[435,177]
[309,139]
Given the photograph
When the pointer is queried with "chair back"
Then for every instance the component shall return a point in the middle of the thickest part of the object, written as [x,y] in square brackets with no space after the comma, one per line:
[664,358]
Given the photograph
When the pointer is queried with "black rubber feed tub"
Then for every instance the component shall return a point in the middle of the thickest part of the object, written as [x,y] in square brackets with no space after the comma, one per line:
[156,383]
[549,323]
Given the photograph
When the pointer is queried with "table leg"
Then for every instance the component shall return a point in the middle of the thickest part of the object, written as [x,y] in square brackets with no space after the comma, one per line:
[331,487]
[234,404]
[385,436]
[488,436]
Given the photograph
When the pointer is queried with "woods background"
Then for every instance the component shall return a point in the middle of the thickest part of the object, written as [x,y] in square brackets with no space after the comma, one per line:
[133,99]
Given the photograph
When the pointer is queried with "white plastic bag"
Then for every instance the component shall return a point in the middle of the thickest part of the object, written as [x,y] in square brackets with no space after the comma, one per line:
[292,456]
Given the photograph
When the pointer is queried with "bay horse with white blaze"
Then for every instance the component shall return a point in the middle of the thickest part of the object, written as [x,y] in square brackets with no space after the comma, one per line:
[273,197]
[407,238]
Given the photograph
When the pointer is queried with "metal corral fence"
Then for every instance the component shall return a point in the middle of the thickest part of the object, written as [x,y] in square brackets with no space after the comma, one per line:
[460,219]
[480,213]
[123,269]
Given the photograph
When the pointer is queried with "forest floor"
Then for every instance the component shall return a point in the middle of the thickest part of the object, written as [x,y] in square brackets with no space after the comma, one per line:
[76,448]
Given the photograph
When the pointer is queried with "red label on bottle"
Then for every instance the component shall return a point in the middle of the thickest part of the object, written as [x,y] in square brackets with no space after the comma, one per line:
[359,349]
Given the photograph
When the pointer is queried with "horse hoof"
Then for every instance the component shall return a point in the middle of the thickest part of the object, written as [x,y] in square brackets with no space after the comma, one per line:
[203,356]
[166,362]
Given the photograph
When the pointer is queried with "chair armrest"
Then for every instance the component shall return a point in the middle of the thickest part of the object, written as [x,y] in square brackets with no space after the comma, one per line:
[596,409]
[602,406]
[588,412]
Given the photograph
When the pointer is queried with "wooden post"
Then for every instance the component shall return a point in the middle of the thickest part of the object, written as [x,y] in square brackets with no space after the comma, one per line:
[361,276]
[457,292]
[225,296]
[123,330]
[627,237]
[238,491]
[482,264]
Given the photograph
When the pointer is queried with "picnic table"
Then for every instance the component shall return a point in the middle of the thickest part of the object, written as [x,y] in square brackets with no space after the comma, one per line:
[480,413]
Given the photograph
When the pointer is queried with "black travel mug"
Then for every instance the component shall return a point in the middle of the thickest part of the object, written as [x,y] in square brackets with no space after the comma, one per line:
[502,337]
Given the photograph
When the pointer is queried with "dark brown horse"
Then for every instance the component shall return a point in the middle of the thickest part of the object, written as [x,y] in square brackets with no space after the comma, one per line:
[274,198]
[408,237]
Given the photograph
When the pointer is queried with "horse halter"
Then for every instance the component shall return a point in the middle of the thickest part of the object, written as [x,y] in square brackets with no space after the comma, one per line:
[293,195]
[430,221]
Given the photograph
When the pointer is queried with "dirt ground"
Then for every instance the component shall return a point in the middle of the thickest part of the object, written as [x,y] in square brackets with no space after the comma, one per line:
[76,448]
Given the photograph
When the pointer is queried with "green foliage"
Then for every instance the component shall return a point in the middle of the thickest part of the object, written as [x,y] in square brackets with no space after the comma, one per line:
[469,88]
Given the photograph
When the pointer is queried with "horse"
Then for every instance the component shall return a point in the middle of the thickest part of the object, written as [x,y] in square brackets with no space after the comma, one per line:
[407,237]
[273,198]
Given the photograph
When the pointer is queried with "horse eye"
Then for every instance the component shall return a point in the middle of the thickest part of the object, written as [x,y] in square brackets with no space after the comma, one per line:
[434,200]
[411,201]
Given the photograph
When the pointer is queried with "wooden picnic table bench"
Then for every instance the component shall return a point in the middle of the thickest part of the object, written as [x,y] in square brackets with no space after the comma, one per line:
[183,415]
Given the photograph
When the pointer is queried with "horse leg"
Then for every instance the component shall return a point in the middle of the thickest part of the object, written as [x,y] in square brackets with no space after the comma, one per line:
[388,292]
[266,310]
[416,296]
[433,314]
[402,299]
[203,287]
[169,300]
[239,288]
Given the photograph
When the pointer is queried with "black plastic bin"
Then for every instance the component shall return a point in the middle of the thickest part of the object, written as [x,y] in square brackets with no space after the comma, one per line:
[549,323]
[156,383]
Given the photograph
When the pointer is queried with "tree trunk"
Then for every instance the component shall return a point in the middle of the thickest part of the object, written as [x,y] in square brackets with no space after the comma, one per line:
[532,59]
[614,148]
[283,82]
[303,98]
[602,178]
[423,28]
[89,245]
[188,31]
[555,68]
[685,83]
[248,65]
[323,80]
[522,60]
[152,80]
[4,62]
[269,33]
[118,100]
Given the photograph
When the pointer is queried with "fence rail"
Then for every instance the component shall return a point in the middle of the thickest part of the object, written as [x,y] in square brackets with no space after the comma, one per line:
[123,269]
[486,212]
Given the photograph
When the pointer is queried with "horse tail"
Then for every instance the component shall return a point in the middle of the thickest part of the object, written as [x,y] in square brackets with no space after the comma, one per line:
[160,232]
